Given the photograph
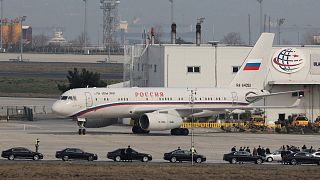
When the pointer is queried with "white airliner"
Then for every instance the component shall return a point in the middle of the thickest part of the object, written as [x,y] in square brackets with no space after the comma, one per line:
[165,108]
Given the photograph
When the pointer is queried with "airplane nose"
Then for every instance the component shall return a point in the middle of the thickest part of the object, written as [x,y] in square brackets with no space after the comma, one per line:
[58,108]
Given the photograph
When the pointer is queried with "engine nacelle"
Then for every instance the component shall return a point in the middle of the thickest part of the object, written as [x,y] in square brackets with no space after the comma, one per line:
[97,123]
[159,121]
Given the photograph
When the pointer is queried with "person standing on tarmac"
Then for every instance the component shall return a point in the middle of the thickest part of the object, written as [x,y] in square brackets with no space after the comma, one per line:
[233,149]
[248,150]
[129,153]
[193,150]
[37,145]
[254,151]
[259,151]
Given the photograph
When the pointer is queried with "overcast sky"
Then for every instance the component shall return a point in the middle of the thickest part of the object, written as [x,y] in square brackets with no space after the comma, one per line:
[226,15]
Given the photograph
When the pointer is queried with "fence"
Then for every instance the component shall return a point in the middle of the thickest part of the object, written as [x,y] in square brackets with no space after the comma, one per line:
[21,112]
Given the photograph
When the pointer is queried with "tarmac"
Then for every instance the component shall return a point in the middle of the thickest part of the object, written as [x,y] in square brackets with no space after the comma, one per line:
[57,133]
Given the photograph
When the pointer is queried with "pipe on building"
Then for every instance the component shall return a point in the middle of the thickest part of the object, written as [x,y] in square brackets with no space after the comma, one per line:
[198,34]
[152,35]
[173,33]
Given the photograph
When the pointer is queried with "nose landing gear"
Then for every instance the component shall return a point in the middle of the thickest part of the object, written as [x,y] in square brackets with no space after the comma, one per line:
[82,129]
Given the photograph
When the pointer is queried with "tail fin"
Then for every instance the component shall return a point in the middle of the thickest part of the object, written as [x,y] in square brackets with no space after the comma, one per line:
[255,68]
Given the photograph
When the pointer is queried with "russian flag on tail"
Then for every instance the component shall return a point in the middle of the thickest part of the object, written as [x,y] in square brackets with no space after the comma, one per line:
[253,65]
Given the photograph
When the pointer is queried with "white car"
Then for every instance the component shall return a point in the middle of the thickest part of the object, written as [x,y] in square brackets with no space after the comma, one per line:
[276,156]
[316,154]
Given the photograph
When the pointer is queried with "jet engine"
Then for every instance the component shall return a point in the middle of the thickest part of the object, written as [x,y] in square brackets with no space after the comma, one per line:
[97,123]
[159,121]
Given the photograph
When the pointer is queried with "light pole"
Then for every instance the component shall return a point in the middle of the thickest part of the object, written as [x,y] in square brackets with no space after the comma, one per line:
[85,27]
[1,1]
[260,2]
[193,92]
[215,44]
[23,18]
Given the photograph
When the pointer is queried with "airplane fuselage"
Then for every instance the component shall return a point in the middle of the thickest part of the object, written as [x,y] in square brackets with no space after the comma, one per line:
[123,102]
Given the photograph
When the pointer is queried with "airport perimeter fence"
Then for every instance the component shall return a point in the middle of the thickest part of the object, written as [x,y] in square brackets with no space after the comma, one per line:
[24,113]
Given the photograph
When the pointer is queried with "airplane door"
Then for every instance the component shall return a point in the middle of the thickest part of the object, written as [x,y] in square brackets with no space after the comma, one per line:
[234,96]
[89,101]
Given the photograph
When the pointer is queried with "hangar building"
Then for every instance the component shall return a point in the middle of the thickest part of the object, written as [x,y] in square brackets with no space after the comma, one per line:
[174,65]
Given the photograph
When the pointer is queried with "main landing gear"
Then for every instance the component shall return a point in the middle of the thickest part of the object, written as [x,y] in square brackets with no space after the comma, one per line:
[82,129]
[139,130]
[180,132]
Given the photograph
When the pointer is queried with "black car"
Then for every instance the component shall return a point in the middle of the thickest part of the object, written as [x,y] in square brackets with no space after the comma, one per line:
[21,153]
[301,158]
[75,153]
[242,156]
[183,155]
[123,154]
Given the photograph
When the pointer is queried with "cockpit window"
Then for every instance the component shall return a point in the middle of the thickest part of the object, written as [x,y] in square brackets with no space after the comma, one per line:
[64,97]
[72,98]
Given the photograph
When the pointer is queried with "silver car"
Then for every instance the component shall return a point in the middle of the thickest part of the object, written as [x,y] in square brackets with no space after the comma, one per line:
[276,156]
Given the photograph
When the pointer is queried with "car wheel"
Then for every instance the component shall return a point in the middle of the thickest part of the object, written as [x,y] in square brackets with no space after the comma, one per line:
[198,160]
[117,158]
[11,157]
[318,163]
[65,158]
[173,159]
[90,158]
[270,159]
[145,159]
[259,161]
[234,160]
[293,162]
[36,157]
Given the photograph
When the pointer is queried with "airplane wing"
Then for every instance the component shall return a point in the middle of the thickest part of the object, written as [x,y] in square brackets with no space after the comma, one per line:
[254,96]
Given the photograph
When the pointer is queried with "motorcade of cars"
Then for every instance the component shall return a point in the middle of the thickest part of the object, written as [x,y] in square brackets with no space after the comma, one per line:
[180,155]
[75,153]
[301,158]
[21,153]
[276,155]
[122,154]
[242,156]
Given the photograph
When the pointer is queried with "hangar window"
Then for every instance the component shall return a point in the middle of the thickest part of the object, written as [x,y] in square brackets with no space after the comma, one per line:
[193,69]
[235,69]
[138,67]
